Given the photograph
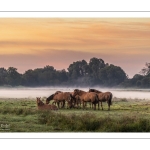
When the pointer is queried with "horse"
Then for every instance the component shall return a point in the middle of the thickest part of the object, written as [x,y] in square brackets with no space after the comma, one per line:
[51,98]
[61,97]
[87,97]
[42,106]
[103,97]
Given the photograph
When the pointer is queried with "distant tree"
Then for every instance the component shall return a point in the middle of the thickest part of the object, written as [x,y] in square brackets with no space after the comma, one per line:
[145,82]
[138,83]
[136,80]
[62,76]
[112,75]
[78,69]
[29,78]
[3,76]
[13,77]
[146,70]
[96,65]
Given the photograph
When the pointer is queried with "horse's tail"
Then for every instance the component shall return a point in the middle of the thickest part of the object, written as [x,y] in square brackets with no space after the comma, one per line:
[110,99]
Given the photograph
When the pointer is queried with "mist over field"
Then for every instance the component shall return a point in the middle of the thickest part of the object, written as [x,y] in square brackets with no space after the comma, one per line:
[24,92]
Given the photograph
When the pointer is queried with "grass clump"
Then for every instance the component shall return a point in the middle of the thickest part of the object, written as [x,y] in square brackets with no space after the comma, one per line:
[91,123]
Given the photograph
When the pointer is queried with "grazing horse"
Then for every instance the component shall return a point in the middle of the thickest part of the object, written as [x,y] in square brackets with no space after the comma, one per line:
[61,97]
[42,106]
[87,97]
[51,98]
[103,97]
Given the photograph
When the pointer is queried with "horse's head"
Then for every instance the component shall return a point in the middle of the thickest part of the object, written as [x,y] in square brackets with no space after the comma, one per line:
[38,101]
[76,92]
[49,98]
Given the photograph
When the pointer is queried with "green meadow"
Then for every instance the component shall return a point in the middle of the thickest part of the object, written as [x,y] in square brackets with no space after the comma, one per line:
[125,115]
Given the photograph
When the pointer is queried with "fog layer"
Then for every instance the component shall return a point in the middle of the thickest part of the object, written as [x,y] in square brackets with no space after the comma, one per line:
[45,92]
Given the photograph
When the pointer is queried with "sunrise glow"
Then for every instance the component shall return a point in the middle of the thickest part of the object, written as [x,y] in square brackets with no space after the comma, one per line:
[28,43]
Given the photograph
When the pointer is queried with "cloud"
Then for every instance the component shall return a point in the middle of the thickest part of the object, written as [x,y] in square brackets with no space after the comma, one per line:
[58,42]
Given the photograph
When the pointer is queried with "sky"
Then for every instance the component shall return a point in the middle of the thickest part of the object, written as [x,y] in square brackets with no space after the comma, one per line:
[29,43]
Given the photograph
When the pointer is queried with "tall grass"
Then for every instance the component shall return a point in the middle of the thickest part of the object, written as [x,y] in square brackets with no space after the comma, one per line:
[91,123]
[17,111]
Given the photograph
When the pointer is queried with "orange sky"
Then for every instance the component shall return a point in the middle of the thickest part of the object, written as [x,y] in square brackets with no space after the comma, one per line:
[29,43]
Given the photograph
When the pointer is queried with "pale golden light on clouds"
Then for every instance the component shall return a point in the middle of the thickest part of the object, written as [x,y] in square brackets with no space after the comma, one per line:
[113,39]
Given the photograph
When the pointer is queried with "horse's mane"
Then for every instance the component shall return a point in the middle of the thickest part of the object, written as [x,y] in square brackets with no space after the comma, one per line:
[76,89]
[50,97]
[94,90]
[57,92]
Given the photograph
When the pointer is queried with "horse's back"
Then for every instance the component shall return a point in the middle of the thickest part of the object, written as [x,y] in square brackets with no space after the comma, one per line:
[53,107]
[47,107]
[62,96]
[90,96]
[104,96]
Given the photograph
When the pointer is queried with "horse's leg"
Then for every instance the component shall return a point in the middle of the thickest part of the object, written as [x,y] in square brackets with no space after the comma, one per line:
[67,104]
[98,105]
[108,106]
[83,104]
[58,105]
[94,106]
[77,104]
[90,105]
[101,105]
[63,103]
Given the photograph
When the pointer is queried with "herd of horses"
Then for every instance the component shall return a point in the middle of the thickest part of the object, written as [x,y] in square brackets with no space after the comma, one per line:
[75,99]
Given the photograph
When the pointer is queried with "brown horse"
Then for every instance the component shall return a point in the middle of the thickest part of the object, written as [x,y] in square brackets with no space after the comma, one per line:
[87,97]
[42,106]
[103,97]
[51,98]
[61,97]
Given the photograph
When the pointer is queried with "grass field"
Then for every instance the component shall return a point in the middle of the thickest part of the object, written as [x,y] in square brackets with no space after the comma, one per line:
[125,115]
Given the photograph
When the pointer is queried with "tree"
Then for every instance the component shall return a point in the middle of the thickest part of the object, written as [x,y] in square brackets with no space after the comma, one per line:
[136,80]
[78,69]
[145,82]
[112,75]
[146,70]
[96,65]
[3,76]
[13,77]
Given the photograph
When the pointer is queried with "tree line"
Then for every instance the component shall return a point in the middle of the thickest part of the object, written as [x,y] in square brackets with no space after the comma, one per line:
[79,73]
